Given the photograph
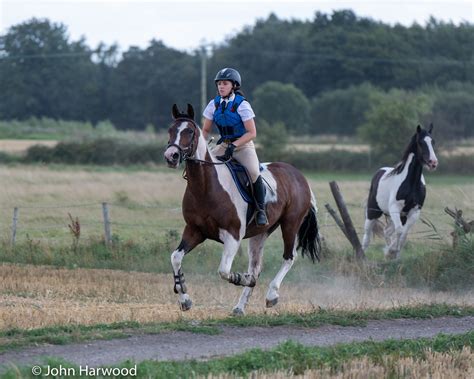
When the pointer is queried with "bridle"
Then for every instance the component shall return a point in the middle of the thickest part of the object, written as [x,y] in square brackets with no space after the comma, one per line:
[187,153]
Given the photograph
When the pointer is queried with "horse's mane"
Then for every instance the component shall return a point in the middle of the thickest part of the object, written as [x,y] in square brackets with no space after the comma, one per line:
[401,165]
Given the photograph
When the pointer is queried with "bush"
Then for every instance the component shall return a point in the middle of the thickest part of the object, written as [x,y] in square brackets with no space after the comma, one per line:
[279,102]
[98,152]
[456,268]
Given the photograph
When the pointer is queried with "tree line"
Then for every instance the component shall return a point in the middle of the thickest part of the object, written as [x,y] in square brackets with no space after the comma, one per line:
[320,76]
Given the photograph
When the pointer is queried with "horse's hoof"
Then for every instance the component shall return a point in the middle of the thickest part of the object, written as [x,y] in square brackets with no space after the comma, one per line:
[238,312]
[186,306]
[391,254]
[271,303]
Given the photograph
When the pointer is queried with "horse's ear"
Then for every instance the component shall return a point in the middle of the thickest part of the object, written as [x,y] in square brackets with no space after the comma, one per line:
[190,111]
[418,128]
[431,128]
[175,111]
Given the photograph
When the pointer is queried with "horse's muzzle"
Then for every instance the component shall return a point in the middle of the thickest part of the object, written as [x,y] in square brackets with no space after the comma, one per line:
[172,157]
[432,164]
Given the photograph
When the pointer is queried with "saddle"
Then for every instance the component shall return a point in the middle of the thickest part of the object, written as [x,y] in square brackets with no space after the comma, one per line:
[244,185]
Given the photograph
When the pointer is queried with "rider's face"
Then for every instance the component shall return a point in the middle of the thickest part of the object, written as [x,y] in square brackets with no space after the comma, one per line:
[224,87]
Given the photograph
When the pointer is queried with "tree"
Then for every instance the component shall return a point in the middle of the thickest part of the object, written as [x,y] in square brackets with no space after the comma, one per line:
[392,121]
[453,111]
[272,139]
[42,74]
[341,111]
[146,83]
[279,102]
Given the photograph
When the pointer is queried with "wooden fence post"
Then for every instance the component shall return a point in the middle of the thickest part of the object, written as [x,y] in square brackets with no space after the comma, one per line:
[336,218]
[14,224]
[346,219]
[107,229]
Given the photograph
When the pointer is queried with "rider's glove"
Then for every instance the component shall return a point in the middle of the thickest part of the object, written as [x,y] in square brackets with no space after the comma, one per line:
[228,153]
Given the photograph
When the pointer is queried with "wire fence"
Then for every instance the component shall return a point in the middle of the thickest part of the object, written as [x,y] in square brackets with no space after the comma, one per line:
[51,223]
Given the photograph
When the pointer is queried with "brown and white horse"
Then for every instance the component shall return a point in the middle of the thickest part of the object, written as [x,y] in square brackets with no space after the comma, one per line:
[214,209]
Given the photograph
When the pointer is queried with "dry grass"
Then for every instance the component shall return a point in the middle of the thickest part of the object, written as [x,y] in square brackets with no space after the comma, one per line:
[320,148]
[34,296]
[454,365]
[16,146]
[448,151]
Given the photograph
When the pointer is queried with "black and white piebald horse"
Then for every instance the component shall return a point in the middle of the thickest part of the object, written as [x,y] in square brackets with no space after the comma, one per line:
[399,193]
[214,209]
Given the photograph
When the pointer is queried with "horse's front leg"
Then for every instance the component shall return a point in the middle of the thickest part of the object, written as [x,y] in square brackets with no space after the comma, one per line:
[391,251]
[255,252]
[412,217]
[231,245]
[190,239]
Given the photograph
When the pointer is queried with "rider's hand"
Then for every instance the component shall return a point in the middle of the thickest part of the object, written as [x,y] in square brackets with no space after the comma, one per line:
[228,153]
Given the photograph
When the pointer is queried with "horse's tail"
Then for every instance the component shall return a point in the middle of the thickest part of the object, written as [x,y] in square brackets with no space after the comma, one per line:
[308,235]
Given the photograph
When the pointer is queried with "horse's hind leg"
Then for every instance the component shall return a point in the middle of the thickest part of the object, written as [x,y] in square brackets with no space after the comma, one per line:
[190,239]
[255,252]
[368,227]
[289,233]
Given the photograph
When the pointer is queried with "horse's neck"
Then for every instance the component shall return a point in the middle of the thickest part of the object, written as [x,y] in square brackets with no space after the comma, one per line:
[414,168]
[201,176]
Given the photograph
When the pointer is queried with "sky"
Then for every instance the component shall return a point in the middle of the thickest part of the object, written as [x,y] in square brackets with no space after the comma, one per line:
[185,25]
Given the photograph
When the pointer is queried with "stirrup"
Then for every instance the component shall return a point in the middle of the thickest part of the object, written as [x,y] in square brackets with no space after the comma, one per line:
[261,218]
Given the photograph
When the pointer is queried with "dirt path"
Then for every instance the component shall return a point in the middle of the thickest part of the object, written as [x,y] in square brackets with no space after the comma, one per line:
[232,340]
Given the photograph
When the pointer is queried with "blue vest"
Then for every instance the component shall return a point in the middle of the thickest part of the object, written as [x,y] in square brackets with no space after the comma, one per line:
[228,121]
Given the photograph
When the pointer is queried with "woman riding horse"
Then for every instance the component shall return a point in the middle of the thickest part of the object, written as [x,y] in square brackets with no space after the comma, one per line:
[234,118]
[213,208]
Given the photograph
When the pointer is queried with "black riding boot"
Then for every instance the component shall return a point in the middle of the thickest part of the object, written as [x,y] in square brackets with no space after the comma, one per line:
[259,191]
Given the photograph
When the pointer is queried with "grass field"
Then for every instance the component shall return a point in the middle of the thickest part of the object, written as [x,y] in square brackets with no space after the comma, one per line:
[145,203]
[145,207]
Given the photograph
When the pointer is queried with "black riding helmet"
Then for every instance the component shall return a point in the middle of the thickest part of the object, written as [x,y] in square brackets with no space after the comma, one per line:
[229,74]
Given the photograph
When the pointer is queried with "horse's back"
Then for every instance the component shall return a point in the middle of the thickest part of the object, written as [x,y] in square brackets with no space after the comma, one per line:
[290,182]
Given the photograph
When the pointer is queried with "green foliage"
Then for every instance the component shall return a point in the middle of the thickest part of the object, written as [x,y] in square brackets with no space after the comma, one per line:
[456,267]
[278,102]
[296,358]
[453,110]
[445,269]
[99,152]
[273,140]
[145,84]
[341,111]
[392,121]
[45,74]
[34,84]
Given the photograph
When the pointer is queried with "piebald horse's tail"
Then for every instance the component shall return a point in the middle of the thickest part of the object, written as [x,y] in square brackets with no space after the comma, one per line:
[308,235]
